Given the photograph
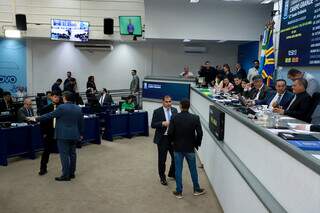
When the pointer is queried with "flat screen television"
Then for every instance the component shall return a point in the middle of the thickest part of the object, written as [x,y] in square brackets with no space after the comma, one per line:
[69,30]
[130,25]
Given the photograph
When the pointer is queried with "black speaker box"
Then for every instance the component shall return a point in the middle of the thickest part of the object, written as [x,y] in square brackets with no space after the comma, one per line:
[21,22]
[108,26]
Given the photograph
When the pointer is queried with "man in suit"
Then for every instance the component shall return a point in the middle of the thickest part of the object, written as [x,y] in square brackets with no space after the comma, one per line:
[185,132]
[240,71]
[301,102]
[69,129]
[160,121]
[56,86]
[135,82]
[259,90]
[48,128]
[67,80]
[313,84]
[25,111]
[280,98]
[208,72]
[7,102]
[105,98]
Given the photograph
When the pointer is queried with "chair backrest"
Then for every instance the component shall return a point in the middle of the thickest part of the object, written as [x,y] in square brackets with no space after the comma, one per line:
[315,100]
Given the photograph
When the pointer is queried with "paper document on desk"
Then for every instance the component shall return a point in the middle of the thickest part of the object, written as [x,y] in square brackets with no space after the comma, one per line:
[276,131]
[316,156]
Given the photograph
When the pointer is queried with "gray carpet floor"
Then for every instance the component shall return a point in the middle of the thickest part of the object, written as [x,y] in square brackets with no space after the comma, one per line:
[119,177]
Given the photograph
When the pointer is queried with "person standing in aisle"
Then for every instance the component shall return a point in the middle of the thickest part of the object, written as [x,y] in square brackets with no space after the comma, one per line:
[185,132]
[69,130]
[48,128]
[160,121]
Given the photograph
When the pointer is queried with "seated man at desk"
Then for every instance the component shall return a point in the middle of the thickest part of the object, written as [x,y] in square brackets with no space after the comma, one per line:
[301,102]
[7,102]
[259,90]
[237,89]
[25,111]
[105,98]
[128,105]
[280,98]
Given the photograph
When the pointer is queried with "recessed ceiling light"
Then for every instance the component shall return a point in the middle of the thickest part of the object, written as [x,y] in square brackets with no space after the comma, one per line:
[194,1]
[12,33]
[186,40]
[266,1]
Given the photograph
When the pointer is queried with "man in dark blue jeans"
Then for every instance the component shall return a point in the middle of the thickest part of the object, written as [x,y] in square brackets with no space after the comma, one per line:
[185,133]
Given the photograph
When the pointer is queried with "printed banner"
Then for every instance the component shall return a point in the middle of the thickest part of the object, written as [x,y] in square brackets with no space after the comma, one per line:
[13,73]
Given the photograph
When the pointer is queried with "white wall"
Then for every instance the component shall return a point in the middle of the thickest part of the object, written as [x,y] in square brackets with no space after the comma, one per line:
[169,56]
[49,60]
[40,12]
[208,20]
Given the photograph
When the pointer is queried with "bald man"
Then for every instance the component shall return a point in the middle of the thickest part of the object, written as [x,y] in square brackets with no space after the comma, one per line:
[25,111]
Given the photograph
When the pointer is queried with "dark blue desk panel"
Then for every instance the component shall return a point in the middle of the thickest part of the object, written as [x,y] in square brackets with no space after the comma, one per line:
[138,123]
[17,141]
[115,125]
[125,124]
[157,90]
[92,130]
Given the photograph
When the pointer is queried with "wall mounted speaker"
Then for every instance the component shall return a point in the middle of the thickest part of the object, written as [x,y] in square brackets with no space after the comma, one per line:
[21,22]
[108,26]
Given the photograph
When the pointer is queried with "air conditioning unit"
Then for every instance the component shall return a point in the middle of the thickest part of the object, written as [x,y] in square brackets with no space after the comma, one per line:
[94,46]
[195,49]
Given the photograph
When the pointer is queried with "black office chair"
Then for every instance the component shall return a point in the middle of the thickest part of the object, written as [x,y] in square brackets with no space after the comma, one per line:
[315,100]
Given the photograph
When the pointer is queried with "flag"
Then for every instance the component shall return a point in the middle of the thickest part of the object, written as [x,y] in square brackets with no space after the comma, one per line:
[267,55]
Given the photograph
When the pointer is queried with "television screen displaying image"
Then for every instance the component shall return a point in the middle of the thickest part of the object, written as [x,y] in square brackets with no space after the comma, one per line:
[130,25]
[69,30]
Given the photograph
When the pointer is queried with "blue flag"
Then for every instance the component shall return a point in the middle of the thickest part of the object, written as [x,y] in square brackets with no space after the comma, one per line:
[267,56]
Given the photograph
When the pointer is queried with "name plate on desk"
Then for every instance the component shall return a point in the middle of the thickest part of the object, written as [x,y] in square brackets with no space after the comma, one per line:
[216,122]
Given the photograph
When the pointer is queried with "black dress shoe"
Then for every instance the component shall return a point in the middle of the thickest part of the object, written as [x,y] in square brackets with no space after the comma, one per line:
[43,172]
[164,182]
[72,176]
[62,178]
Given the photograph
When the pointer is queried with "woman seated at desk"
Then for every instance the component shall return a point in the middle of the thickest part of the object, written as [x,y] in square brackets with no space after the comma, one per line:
[128,105]
[225,86]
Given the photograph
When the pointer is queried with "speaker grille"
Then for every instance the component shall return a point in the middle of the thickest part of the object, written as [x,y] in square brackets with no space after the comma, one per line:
[21,22]
[108,26]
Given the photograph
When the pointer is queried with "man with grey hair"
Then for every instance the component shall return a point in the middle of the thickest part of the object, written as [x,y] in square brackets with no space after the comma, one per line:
[25,111]
[313,84]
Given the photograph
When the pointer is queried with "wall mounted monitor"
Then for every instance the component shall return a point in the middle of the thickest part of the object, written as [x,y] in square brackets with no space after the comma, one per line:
[69,30]
[299,43]
[130,25]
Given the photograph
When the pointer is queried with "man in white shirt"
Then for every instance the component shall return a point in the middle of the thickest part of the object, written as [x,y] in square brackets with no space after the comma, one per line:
[186,72]
[313,84]
[279,98]
[105,98]
[253,71]
[160,121]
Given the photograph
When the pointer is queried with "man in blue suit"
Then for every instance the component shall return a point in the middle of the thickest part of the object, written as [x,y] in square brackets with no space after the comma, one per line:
[281,97]
[68,122]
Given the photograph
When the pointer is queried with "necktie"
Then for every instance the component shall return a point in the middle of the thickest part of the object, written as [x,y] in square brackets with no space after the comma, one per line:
[279,99]
[54,119]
